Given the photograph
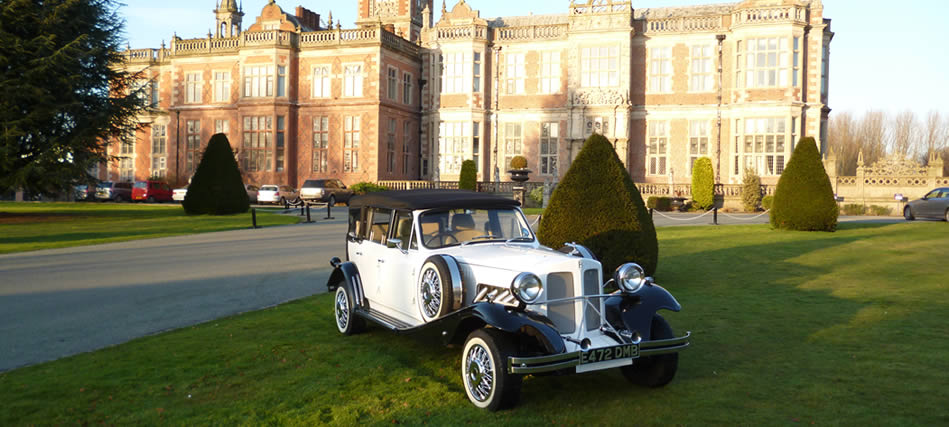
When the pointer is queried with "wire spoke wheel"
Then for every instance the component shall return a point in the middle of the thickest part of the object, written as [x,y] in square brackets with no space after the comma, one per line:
[480,379]
[342,309]
[431,293]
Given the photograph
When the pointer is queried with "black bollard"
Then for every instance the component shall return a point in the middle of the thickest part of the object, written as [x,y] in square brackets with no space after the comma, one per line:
[308,220]
[715,216]
[329,211]
[650,212]
[301,208]
[253,217]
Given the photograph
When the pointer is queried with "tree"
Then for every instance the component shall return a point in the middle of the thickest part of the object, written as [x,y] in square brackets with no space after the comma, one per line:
[703,183]
[217,187]
[598,206]
[750,190]
[804,199]
[63,93]
[469,176]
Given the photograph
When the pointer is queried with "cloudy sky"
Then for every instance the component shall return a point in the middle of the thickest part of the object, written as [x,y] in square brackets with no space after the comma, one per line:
[885,55]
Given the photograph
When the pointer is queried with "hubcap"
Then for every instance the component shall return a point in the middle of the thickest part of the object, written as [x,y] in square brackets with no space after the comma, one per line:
[342,309]
[431,293]
[480,373]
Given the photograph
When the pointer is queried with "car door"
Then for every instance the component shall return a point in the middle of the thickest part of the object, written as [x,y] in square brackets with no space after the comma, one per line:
[356,244]
[397,270]
[343,193]
[941,204]
[929,203]
[373,252]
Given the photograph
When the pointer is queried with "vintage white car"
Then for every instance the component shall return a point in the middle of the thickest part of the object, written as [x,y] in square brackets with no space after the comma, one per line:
[467,267]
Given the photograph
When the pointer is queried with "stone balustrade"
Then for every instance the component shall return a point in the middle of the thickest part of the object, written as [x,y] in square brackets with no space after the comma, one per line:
[685,24]
[769,15]
[461,32]
[533,32]
[600,6]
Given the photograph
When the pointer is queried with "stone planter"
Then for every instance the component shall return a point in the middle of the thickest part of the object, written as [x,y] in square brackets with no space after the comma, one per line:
[519,175]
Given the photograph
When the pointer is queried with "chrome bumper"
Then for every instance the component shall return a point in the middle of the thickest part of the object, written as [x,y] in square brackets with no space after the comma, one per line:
[556,362]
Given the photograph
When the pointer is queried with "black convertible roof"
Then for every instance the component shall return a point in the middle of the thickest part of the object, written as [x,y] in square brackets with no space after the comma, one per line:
[427,199]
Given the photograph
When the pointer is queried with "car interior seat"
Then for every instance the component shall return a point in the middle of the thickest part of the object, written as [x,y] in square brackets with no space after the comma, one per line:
[463,227]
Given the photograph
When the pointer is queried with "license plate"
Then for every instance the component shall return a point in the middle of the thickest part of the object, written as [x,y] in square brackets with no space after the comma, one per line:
[596,355]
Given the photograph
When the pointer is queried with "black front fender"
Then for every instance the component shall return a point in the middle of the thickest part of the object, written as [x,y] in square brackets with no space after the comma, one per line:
[346,274]
[635,312]
[504,318]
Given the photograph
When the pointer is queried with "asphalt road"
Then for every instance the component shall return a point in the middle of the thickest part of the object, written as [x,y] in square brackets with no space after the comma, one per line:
[60,302]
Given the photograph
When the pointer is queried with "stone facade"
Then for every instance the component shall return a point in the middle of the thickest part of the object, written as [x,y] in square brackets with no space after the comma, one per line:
[739,83]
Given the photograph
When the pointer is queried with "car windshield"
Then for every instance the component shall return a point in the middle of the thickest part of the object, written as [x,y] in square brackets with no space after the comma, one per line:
[441,228]
[268,188]
[312,183]
[140,184]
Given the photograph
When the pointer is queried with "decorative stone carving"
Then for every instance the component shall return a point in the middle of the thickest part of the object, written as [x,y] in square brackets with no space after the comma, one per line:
[599,97]
[895,166]
[384,8]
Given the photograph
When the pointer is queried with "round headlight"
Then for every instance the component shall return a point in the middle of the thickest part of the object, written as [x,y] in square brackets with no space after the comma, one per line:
[527,287]
[630,277]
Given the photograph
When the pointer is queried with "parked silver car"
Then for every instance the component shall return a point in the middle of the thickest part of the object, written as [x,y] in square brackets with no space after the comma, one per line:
[279,194]
[935,204]
[115,191]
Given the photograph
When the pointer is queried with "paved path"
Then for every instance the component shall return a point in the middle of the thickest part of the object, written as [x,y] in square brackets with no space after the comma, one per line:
[59,302]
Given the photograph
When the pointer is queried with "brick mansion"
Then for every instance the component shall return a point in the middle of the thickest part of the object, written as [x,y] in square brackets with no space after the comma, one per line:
[402,97]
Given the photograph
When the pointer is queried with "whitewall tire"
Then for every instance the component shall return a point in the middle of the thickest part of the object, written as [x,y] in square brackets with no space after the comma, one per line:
[435,293]
[484,370]
[346,322]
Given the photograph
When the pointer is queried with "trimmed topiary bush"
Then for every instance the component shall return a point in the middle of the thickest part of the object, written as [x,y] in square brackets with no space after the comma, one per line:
[703,184]
[751,191]
[518,162]
[469,176]
[536,196]
[662,204]
[217,187]
[767,202]
[597,205]
[361,188]
[804,199]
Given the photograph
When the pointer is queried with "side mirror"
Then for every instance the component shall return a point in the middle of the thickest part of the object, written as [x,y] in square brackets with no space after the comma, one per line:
[352,236]
[394,243]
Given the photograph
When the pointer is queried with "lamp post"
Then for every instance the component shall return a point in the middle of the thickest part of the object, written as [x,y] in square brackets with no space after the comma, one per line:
[177,144]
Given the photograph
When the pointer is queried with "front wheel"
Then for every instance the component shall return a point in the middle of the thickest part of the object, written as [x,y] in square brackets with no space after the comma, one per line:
[484,370]
[150,199]
[946,216]
[118,199]
[332,201]
[654,371]
[908,214]
[346,321]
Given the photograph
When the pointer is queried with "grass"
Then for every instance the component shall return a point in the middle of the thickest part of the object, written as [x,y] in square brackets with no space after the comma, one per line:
[788,327]
[33,226]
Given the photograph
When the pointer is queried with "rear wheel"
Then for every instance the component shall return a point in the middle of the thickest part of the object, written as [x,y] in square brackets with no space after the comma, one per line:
[332,201]
[654,371]
[283,201]
[484,370]
[346,322]
[118,199]
[150,199]
[908,214]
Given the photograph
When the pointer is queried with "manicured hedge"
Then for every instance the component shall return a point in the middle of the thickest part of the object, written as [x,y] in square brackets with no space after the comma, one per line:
[217,187]
[751,191]
[804,199]
[469,176]
[597,205]
[518,162]
[767,202]
[703,184]
[361,188]
[663,204]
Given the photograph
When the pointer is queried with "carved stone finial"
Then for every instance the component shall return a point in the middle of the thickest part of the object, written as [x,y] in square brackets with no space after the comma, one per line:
[330,22]
[444,8]
[860,159]
[339,26]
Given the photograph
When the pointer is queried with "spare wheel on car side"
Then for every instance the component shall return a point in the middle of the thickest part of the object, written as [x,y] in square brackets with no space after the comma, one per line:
[439,289]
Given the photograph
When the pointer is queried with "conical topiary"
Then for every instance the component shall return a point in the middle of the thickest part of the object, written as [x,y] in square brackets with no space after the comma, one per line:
[703,183]
[804,199]
[469,176]
[597,205]
[217,187]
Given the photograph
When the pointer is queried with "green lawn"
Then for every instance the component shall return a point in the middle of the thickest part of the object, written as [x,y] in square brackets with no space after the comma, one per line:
[789,328]
[32,226]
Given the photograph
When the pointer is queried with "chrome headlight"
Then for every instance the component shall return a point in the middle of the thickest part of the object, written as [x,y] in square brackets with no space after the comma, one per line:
[630,277]
[527,287]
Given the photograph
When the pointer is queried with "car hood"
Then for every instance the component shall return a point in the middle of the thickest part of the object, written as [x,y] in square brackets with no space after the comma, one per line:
[512,257]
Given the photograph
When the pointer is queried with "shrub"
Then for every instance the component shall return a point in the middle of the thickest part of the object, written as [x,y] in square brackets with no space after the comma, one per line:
[469,176]
[663,204]
[703,184]
[597,205]
[751,191]
[854,209]
[217,187]
[804,199]
[880,210]
[767,202]
[361,188]
[518,162]
[537,195]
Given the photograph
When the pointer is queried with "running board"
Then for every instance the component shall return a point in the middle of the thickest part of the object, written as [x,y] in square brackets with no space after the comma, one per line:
[384,320]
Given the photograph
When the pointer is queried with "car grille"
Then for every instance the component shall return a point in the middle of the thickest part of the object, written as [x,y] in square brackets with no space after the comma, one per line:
[563,314]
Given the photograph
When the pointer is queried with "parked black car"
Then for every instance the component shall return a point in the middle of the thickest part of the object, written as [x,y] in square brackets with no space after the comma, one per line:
[330,191]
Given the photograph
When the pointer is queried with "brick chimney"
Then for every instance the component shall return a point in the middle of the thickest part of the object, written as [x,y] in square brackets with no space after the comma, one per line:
[308,18]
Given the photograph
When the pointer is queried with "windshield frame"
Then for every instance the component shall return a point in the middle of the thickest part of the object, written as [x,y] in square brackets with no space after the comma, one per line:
[518,213]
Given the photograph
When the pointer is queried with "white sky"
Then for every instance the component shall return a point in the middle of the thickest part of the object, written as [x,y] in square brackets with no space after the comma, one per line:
[885,55]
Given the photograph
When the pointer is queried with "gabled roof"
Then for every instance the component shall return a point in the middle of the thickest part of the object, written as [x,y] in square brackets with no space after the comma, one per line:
[428,199]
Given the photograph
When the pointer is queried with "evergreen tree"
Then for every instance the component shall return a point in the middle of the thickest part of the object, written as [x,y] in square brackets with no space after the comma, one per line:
[804,199]
[703,183]
[469,176]
[597,205]
[63,93]
[217,187]
[750,190]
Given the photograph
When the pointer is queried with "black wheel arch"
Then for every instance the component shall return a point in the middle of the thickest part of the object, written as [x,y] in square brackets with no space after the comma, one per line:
[635,312]
[346,274]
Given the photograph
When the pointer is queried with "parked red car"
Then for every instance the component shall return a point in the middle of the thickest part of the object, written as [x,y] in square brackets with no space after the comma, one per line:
[151,191]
